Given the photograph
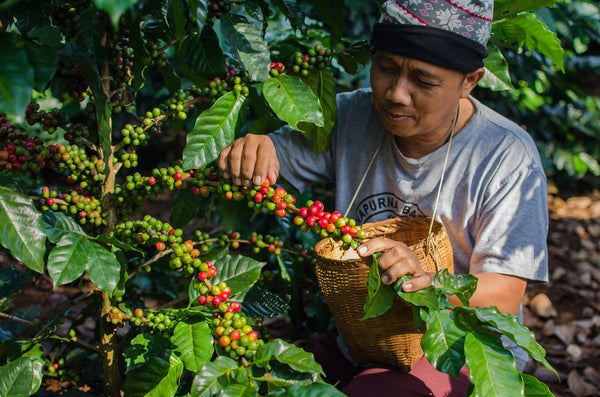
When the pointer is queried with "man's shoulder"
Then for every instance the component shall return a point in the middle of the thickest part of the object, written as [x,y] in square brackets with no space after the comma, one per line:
[358,97]
[499,126]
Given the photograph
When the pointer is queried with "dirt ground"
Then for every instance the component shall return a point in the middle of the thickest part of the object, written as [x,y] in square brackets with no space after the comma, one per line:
[564,313]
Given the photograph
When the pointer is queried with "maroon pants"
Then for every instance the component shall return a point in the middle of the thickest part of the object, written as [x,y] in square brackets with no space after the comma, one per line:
[381,380]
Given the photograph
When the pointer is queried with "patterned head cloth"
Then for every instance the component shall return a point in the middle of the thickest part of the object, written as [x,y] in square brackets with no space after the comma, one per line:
[448,33]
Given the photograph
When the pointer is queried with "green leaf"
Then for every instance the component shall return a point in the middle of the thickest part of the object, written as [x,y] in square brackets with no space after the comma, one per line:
[199,11]
[57,224]
[158,377]
[535,388]
[443,342]
[201,54]
[239,390]
[239,272]
[206,382]
[21,229]
[142,58]
[428,297]
[509,325]
[248,45]
[510,8]
[293,12]
[294,102]
[528,30]
[105,239]
[143,347]
[43,58]
[333,16]
[312,390]
[380,297]
[497,77]
[179,18]
[103,267]
[493,370]
[16,77]
[286,353]
[215,128]
[461,285]
[21,377]
[114,8]
[194,342]
[184,208]
[322,84]
[68,259]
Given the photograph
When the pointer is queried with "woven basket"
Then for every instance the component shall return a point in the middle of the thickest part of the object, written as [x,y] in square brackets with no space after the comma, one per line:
[390,338]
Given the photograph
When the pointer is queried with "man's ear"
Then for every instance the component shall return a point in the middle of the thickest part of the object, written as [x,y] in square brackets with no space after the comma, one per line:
[470,81]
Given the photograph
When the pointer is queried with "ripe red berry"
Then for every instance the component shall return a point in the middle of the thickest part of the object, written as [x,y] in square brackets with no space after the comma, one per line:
[50,201]
[236,306]
[202,300]
[160,246]
[311,221]
[235,334]
[346,229]
[224,296]
[304,212]
[323,223]
[212,271]
[216,301]
[258,197]
[177,176]
[202,276]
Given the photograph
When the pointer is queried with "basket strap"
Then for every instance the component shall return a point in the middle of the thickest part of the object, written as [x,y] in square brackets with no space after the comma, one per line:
[430,242]
[364,176]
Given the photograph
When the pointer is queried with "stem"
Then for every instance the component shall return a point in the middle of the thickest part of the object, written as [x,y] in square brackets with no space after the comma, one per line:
[17,319]
[110,349]
[109,345]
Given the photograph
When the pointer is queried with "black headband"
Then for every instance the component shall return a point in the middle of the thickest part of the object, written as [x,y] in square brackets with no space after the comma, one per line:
[429,44]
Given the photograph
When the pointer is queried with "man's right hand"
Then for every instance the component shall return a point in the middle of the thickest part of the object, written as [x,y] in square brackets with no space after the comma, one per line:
[249,160]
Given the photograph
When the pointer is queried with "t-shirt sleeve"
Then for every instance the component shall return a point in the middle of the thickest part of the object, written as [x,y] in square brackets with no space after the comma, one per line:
[512,226]
[299,164]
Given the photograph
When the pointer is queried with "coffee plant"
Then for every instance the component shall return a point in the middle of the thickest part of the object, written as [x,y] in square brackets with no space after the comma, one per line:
[108,107]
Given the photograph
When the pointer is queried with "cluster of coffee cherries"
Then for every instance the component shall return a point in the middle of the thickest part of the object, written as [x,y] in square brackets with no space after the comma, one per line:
[218,7]
[20,151]
[52,119]
[57,368]
[121,59]
[158,55]
[328,224]
[85,209]
[136,188]
[154,320]
[66,15]
[80,168]
[233,330]
[71,82]
[303,64]
[274,199]
[149,232]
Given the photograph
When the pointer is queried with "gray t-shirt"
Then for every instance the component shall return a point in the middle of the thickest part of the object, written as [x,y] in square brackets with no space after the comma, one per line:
[493,202]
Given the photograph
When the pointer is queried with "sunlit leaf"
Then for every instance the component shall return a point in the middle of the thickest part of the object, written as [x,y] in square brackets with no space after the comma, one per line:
[215,128]
[21,229]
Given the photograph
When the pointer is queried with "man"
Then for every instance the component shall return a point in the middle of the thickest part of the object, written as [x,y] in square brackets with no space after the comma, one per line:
[392,144]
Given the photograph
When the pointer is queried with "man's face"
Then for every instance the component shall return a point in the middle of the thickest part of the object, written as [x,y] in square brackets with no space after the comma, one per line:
[415,99]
